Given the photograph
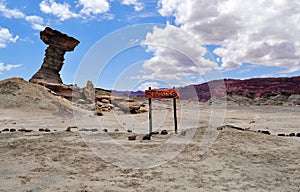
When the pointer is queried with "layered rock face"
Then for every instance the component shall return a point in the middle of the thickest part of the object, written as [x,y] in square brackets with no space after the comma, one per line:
[59,44]
[250,91]
[263,87]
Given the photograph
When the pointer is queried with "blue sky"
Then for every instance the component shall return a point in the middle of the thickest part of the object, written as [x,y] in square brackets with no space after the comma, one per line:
[154,43]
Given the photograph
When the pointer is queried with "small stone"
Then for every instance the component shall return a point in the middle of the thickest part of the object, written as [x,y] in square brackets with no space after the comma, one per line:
[281,135]
[22,130]
[104,110]
[106,101]
[266,132]
[12,130]
[298,135]
[147,137]
[98,104]
[164,132]
[219,128]
[5,130]
[129,131]
[41,129]
[105,130]
[111,106]
[71,127]
[81,101]
[47,130]
[131,137]
[155,133]
[116,130]
[28,130]
[183,133]
[92,130]
[292,134]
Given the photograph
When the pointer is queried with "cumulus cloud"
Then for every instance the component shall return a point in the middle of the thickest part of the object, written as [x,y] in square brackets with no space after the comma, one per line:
[64,10]
[257,32]
[6,37]
[138,6]
[7,67]
[94,7]
[175,55]
[61,10]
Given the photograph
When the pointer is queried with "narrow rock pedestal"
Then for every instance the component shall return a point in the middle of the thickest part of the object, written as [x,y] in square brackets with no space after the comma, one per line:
[59,44]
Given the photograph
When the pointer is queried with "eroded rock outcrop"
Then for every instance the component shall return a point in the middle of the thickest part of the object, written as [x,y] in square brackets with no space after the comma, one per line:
[59,44]
[89,92]
[85,95]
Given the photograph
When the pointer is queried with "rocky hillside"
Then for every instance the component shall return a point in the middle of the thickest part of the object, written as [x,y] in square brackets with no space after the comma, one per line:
[250,91]
[16,93]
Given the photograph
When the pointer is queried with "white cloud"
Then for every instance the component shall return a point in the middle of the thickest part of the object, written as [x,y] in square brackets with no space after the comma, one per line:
[37,23]
[146,85]
[7,67]
[138,6]
[87,9]
[6,37]
[169,7]
[176,55]
[94,7]
[10,13]
[257,32]
[34,19]
[63,11]
[60,10]
[291,69]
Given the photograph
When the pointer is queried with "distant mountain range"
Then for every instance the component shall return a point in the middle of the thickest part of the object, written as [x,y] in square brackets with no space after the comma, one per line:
[250,88]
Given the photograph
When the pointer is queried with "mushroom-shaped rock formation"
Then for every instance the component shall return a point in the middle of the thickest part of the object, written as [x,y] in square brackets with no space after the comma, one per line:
[59,44]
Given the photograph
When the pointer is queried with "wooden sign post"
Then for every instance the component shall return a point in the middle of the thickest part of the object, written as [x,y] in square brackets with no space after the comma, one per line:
[161,93]
[175,113]
[150,114]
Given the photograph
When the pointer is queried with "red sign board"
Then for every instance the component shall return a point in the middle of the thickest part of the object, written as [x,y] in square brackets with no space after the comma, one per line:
[162,93]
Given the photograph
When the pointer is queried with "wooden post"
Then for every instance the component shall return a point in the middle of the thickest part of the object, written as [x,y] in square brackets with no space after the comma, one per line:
[162,93]
[175,113]
[150,115]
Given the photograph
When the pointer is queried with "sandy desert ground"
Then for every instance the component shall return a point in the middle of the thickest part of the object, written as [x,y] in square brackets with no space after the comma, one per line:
[198,158]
